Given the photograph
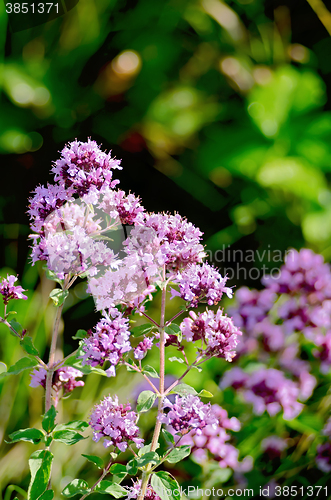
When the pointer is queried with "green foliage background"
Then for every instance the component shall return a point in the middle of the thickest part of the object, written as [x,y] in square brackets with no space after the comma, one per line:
[219,111]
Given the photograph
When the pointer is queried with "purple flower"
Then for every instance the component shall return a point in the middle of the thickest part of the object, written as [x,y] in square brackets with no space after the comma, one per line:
[126,207]
[217,331]
[44,202]
[9,291]
[187,413]
[142,348]
[64,378]
[108,342]
[323,458]
[273,446]
[304,272]
[83,166]
[201,283]
[213,439]
[134,490]
[268,390]
[116,423]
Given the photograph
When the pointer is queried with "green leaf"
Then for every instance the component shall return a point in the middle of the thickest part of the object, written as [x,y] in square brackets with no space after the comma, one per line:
[150,371]
[173,358]
[74,487]
[21,365]
[129,369]
[113,489]
[175,328]
[85,369]
[149,457]
[145,401]
[17,326]
[131,467]
[48,422]
[47,495]
[28,346]
[95,460]
[205,394]
[77,425]
[67,437]
[34,436]
[119,472]
[52,276]
[58,296]
[80,334]
[165,485]
[3,368]
[40,464]
[197,368]
[177,454]
[137,331]
[146,449]
[183,390]
[168,436]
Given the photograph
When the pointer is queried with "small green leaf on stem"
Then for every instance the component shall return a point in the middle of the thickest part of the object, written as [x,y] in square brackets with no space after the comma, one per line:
[113,489]
[205,394]
[80,334]
[21,365]
[48,422]
[165,485]
[34,436]
[149,370]
[183,390]
[58,296]
[168,436]
[144,329]
[40,464]
[179,360]
[47,495]
[16,326]
[28,346]
[67,437]
[130,365]
[177,454]
[95,460]
[146,449]
[119,472]
[131,467]
[148,458]
[51,275]
[76,425]
[74,487]
[145,401]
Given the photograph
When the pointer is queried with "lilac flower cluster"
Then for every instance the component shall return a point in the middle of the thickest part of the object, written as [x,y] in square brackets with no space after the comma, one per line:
[10,291]
[134,490]
[213,440]
[64,378]
[201,283]
[116,423]
[216,330]
[187,413]
[267,390]
[108,342]
[141,350]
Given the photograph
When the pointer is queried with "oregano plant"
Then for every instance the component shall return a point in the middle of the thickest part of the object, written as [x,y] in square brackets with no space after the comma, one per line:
[84,226]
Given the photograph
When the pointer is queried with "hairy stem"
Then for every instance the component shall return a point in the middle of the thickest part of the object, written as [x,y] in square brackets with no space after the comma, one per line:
[157,428]
[51,360]
[150,319]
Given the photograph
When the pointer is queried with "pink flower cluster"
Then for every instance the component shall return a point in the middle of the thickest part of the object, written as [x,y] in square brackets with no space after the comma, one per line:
[64,378]
[201,283]
[216,330]
[10,291]
[108,342]
[213,441]
[116,423]
[142,348]
[134,490]
[187,413]
[267,390]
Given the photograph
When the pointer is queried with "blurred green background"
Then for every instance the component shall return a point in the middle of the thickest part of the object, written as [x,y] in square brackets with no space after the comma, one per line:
[219,111]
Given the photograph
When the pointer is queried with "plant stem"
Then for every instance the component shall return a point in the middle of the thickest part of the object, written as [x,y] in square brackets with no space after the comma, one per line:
[157,428]
[104,474]
[181,378]
[150,319]
[135,368]
[50,371]
[174,317]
